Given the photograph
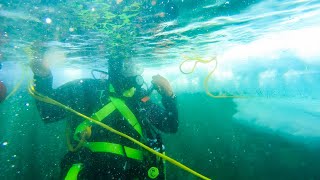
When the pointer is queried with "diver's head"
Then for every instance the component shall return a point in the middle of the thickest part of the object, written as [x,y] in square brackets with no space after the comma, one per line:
[124,74]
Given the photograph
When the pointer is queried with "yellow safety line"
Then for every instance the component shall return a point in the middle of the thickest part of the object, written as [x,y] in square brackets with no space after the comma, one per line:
[206,81]
[46,99]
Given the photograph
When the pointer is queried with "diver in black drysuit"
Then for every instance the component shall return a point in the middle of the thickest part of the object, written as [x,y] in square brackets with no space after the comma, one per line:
[88,96]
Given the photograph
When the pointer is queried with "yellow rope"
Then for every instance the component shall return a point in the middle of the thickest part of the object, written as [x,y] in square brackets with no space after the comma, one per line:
[46,99]
[80,143]
[206,81]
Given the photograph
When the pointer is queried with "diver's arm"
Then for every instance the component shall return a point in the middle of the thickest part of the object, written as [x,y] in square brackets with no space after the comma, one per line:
[48,112]
[76,94]
[43,84]
[165,119]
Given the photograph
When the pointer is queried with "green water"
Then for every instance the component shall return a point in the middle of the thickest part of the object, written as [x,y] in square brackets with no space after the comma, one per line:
[215,143]
[212,143]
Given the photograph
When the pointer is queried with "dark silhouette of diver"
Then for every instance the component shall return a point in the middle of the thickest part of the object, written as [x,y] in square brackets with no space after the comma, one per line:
[120,102]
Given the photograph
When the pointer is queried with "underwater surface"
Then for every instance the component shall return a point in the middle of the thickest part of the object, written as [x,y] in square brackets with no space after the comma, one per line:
[249,109]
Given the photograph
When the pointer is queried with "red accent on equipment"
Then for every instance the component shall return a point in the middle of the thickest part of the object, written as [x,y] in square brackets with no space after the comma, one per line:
[145,99]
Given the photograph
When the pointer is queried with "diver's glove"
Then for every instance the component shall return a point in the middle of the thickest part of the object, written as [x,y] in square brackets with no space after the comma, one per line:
[40,68]
[162,85]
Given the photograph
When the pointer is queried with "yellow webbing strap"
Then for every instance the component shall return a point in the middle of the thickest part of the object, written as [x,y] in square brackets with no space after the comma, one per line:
[99,116]
[74,171]
[104,112]
[130,92]
[127,93]
[107,147]
[108,109]
[127,114]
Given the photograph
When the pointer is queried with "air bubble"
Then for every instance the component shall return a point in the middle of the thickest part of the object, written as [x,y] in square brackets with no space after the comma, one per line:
[48,21]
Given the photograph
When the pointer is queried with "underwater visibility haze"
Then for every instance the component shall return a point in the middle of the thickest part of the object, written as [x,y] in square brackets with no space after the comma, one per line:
[246,75]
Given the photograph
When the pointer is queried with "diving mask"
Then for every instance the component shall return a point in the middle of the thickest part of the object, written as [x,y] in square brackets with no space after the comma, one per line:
[131,69]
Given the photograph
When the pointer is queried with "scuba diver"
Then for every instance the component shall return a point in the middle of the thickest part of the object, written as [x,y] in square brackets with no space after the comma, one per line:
[120,102]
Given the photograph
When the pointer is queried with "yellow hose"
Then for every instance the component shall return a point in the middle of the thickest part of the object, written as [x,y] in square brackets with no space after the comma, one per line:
[206,81]
[46,99]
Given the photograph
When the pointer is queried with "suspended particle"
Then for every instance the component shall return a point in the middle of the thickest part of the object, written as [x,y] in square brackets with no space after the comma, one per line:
[5,143]
[48,21]
[119,1]
[162,14]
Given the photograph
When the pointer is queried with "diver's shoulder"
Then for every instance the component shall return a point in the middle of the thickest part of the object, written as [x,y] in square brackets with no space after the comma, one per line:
[87,82]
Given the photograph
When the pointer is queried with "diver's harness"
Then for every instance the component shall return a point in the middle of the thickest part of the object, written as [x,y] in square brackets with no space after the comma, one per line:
[83,131]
